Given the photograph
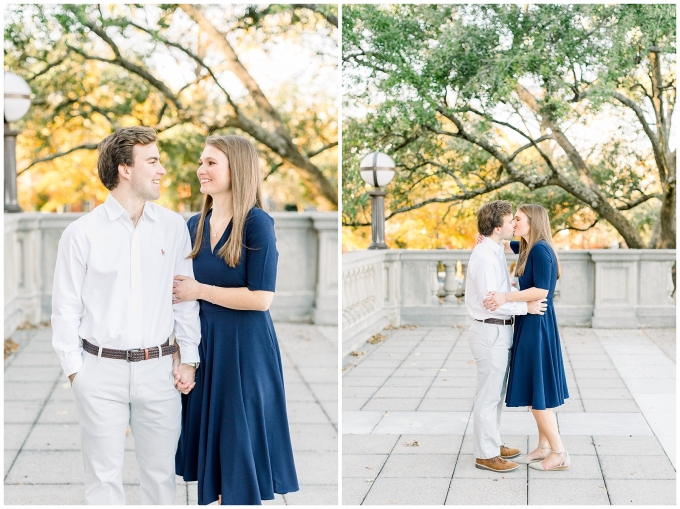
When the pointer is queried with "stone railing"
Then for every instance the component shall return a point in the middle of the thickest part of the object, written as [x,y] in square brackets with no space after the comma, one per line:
[598,288]
[306,286]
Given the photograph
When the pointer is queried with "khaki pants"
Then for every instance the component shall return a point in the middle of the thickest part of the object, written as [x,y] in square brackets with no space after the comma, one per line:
[490,345]
[111,394]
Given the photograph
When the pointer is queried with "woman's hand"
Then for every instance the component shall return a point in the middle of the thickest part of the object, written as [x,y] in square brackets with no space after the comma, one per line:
[494,300]
[185,289]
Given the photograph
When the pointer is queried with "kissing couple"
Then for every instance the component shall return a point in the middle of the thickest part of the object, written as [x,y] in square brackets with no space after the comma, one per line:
[128,276]
[523,364]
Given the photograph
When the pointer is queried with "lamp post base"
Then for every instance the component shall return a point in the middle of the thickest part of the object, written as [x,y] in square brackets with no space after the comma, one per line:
[10,208]
[378,246]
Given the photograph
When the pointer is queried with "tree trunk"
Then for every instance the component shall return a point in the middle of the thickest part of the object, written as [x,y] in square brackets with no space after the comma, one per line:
[667,218]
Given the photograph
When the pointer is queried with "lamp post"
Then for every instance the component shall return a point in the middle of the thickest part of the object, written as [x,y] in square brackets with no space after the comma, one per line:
[377,170]
[17,102]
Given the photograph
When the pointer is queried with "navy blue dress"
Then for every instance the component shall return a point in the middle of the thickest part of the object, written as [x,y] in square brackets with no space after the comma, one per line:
[537,376]
[235,440]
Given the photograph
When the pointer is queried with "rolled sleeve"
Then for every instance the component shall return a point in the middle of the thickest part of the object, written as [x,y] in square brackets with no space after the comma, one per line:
[185,314]
[67,302]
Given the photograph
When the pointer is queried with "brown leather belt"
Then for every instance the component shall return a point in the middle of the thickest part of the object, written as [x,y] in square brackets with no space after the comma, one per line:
[497,321]
[134,355]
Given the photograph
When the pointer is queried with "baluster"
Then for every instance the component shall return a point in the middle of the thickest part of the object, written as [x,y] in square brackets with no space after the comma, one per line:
[450,282]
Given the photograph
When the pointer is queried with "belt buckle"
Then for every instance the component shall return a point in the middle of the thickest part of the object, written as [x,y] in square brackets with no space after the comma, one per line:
[127,354]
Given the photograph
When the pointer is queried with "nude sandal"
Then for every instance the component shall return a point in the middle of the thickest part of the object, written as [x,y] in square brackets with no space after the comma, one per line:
[524,461]
[566,462]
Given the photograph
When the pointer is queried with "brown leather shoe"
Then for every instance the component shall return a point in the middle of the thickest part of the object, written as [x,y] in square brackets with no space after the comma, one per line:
[496,464]
[509,452]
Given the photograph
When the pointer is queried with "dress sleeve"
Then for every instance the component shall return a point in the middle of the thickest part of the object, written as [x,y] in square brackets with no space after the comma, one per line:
[514,245]
[541,262]
[260,251]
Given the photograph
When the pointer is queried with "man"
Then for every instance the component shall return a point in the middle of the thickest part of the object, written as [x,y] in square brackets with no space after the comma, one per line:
[490,335]
[112,315]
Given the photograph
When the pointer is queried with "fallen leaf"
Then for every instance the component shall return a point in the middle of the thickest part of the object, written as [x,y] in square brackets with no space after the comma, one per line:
[370,468]
[412,444]
[10,347]
[354,353]
[376,338]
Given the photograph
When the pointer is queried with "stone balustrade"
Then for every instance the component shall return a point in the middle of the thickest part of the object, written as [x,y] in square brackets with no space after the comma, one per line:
[599,288]
[306,286]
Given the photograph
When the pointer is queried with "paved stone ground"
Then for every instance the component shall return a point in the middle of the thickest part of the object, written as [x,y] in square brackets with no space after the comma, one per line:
[42,441]
[407,423]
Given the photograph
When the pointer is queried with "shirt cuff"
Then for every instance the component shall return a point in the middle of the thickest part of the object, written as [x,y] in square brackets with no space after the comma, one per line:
[71,364]
[188,351]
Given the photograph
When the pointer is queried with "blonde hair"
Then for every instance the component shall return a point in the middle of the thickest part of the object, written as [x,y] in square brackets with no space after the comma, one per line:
[246,187]
[539,229]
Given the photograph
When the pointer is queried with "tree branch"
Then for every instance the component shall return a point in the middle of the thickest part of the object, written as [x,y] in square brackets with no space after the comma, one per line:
[47,68]
[233,62]
[570,227]
[658,157]
[638,201]
[532,143]
[190,54]
[120,61]
[322,149]
[331,18]
[85,146]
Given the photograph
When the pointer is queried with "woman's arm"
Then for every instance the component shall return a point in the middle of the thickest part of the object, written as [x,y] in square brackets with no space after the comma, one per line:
[185,288]
[500,298]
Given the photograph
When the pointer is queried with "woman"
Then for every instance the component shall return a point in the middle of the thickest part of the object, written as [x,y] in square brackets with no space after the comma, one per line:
[235,439]
[536,376]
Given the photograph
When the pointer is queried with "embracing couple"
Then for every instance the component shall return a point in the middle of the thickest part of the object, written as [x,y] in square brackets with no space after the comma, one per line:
[124,283]
[531,352]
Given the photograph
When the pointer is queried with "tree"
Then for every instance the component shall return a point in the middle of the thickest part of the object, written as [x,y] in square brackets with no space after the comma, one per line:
[180,69]
[474,100]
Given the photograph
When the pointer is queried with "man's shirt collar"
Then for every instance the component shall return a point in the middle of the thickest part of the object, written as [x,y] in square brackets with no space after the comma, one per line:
[114,209]
[496,248]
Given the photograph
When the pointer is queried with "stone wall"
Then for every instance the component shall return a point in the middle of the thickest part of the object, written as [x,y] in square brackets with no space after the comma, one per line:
[607,288]
[306,286]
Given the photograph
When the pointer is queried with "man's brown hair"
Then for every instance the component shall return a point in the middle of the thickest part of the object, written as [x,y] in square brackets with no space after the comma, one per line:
[117,148]
[490,216]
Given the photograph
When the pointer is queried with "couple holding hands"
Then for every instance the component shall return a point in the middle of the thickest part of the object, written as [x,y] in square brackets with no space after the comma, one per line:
[524,364]
[128,275]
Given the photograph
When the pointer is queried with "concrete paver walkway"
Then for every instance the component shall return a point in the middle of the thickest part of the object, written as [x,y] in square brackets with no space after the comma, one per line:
[407,423]
[42,440]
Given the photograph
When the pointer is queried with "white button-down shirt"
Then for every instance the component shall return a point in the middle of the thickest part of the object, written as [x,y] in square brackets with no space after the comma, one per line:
[487,271]
[113,283]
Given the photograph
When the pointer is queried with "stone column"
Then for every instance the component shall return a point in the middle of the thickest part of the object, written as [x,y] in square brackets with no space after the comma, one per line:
[326,298]
[616,288]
